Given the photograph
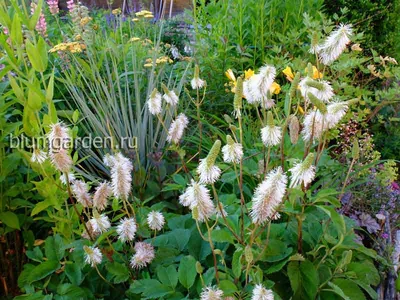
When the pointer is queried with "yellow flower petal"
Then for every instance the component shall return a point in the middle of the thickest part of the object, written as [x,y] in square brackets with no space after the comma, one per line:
[275,88]
[230,75]
[248,74]
[288,72]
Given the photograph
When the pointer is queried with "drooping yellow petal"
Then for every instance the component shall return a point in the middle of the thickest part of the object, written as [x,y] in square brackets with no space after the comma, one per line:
[230,75]
[275,88]
[317,74]
[288,72]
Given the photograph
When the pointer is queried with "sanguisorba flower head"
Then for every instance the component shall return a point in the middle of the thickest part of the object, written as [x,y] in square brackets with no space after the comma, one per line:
[196,82]
[314,125]
[268,196]
[320,89]
[261,293]
[101,195]
[176,129]
[121,177]
[197,196]
[144,254]
[154,102]
[170,96]
[126,229]
[260,84]
[81,192]
[335,112]
[303,172]
[271,135]
[99,223]
[155,220]
[237,100]
[232,152]
[207,170]
[211,293]
[59,143]
[335,44]
[38,156]
[93,255]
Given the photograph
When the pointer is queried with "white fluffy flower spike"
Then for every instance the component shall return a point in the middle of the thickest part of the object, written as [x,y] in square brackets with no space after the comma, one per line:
[211,293]
[144,254]
[261,293]
[197,197]
[268,196]
[93,255]
[271,135]
[121,177]
[176,129]
[126,229]
[196,82]
[233,152]
[207,170]
[303,172]
[155,220]
[99,223]
[260,84]
[154,102]
[335,44]
[170,96]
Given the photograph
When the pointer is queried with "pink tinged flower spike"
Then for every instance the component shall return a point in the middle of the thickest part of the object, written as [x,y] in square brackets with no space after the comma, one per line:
[261,293]
[126,229]
[81,192]
[53,6]
[303,172]
[177,128]
[91,234]
[154,102]
[99,223]
[101,195]
[144,255]
[170,96]
[196,82]
[268,196]
[271,135]
[71,178]
[260,84]
[41,25]
[197,197]
[70,5]
[247,92]
[335,44]
[232,152]
[93,255]
[59,142]
[121,177]
[207,170]
[211,293]
[155,220]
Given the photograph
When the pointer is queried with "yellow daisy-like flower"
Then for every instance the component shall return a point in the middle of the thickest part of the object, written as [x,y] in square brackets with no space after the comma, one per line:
[248,73]
[275,88]
[85,20]
[288,72]
[301,110]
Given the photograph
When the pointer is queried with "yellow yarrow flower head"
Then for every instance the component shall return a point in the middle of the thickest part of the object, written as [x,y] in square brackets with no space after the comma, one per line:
[134,39]
[116,11]
[85,21]
[288,72]
[135,20]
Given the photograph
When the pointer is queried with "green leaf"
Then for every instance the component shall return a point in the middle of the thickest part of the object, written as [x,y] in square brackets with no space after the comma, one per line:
[236,265]
[228,287]
[222,236]
[19,93]
[119,271]
[187,271]
[10,219]
[303,279]
[40,206]
[336,218]
[35,17]
[151,288]
[349,288]
[54,248]
[50,88]
[38,63]
[168,276]
[74,273]
[366,272]
[35,99]
[43,270]
[228,177]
